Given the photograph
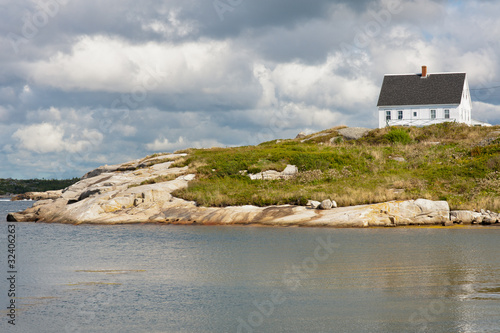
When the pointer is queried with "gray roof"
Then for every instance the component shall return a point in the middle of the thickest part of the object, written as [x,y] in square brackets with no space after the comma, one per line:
[412,89]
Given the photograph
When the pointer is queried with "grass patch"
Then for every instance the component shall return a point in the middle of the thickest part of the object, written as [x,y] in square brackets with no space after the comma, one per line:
[160,179]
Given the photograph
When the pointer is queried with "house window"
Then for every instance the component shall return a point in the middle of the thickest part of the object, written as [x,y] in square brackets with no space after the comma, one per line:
[414,113]
[387,115]
[447,114]
[433,114]
[400,115]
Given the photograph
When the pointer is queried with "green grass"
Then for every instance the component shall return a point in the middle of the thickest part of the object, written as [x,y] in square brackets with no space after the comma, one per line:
[398,135]
[441,162]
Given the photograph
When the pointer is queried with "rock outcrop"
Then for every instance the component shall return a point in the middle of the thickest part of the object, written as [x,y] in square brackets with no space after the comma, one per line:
[289,172]
[301,135]
[132,195]
[492,138]
[353,133]
[38,195]
[471,217]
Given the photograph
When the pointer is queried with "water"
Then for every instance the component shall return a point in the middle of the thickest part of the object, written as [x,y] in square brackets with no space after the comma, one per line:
[160,278]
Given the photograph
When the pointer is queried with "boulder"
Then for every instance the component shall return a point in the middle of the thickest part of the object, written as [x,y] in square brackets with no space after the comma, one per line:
[21,217]
[290,170]
[353,133]
[326,204]
[266,175]
[313,204]
[488,220]
[398,159]
[189,177]
[422,211]
[463,216]
[488,217]
[496,217]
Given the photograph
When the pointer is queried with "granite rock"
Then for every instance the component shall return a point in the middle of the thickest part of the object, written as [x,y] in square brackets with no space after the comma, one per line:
[118,197]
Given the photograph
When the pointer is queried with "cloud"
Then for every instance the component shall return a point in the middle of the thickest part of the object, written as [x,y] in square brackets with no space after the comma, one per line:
[50,138]
[41,138]
[4,114]
[172,26]
[162,144]
[322,85]
[101,84]
[486,112]
[164,72]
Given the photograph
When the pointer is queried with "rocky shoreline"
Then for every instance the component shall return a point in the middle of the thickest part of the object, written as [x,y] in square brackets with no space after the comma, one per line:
[37,195]
[140,192]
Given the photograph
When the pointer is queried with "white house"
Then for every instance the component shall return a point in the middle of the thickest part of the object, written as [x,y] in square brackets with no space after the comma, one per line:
[424,99]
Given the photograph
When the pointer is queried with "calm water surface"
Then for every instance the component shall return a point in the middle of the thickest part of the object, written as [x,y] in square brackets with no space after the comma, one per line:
[160,278]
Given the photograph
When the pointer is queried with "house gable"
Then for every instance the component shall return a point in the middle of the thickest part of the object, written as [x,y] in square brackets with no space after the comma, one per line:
[414,89]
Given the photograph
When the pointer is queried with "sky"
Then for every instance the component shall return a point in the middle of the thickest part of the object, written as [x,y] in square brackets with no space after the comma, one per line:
[85,83]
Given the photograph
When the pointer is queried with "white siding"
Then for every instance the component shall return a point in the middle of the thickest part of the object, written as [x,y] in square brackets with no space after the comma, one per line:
[422,117]
[466,104]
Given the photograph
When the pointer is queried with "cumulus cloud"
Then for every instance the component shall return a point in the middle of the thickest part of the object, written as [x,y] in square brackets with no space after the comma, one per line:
[49,138]
[41,138]
[99,85]
[116,65]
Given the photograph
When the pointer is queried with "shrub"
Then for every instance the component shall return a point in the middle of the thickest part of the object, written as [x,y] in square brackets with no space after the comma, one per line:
[254,170]
[398,135]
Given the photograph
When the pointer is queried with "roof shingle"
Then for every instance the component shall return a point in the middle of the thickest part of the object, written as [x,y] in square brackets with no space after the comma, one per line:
[414,90]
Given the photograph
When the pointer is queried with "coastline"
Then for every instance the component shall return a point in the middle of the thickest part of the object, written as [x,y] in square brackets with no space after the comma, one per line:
[121,194]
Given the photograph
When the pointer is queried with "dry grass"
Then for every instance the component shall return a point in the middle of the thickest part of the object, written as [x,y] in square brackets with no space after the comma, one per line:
[160,179]
[323,136]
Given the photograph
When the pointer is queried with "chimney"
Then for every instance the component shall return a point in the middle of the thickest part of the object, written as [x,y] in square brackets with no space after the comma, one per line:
[424,71]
